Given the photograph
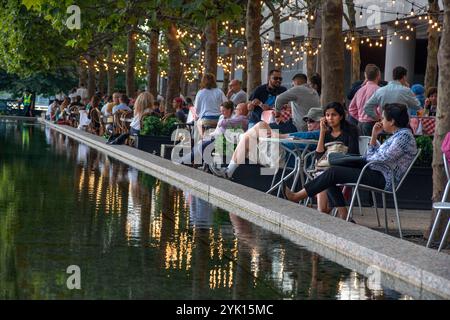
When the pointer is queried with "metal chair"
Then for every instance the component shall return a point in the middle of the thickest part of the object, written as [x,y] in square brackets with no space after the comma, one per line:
[358,186]
[441,206]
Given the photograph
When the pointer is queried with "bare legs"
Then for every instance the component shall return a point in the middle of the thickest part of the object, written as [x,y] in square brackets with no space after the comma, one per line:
[322,200]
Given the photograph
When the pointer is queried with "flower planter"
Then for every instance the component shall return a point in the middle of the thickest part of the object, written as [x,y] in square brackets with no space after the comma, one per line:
[152,144]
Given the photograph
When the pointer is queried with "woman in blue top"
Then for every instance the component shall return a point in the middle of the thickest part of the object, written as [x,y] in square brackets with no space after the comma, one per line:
[397,152]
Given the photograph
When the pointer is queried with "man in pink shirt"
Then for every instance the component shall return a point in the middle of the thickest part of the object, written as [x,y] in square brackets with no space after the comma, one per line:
[356,107]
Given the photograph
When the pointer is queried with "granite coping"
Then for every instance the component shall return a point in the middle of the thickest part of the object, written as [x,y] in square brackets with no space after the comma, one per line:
[18,118]
[401,261]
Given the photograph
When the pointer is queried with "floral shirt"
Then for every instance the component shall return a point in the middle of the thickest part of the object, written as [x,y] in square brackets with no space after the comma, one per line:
[398,151]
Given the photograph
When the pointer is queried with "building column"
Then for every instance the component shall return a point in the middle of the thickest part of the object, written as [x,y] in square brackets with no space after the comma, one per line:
[400,53]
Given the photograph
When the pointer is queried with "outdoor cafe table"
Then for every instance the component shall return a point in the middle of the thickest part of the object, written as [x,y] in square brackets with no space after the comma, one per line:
[299,150]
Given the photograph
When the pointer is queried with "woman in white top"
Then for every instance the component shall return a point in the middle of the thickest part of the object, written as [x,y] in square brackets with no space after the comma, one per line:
[207,102]
[144,102]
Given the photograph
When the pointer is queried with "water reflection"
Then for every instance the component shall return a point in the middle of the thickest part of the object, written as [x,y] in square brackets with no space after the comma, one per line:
[133,236]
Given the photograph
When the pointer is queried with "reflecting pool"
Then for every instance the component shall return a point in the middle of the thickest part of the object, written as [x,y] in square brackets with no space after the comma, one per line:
[134,237]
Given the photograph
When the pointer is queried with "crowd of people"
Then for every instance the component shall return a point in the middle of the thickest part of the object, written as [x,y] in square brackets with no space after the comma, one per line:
[374,107]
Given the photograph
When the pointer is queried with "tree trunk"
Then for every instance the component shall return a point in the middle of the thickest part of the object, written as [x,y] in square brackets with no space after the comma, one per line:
[314,32]
[111,72]
[433,45]
[101,77]
[277,40]
[202,60]
[152,63]
[356,55]
[211,47]
[173,86]
[244,71]
[356,59]
[82,73]
[442,117]
[254,50]
[91,75]
[131,63]
[332,52]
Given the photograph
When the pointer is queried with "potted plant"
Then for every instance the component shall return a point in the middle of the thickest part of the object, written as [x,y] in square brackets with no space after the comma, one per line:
[154,133]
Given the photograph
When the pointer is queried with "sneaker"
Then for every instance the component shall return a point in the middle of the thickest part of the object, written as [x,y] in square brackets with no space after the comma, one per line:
[220,172]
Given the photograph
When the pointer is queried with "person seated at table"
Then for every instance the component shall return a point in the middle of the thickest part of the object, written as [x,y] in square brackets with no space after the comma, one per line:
[93,114]
[226,121]
[142,105]
[123,104]
[61,111]
[51,110]
[431,102]
[262,129]
[177,104]
[76,104]
[107,110]
[397,152]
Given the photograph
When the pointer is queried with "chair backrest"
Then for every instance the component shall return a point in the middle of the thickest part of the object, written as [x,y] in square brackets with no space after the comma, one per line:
[409,169]
[363,142]
[266,116]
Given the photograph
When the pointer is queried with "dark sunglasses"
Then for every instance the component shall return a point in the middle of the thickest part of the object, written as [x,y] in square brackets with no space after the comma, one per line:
[310,121]
[277,78]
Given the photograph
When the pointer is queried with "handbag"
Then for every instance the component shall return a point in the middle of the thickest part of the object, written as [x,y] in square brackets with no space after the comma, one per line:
[330,147]
[346,160]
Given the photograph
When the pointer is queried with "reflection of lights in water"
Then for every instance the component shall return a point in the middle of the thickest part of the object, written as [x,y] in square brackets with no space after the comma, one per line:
[91,184]
[212,243]
[133,224]
[352,288]
[98,198]
[81,183]
[220,277]
[220,249]
[178,253]
[155,222]
[283,278]
[254,264]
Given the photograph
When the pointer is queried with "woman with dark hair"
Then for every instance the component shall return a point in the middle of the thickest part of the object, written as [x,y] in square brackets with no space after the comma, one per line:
[334,128]
[397,152]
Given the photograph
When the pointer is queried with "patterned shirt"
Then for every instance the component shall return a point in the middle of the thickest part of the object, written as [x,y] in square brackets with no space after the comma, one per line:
[398,151]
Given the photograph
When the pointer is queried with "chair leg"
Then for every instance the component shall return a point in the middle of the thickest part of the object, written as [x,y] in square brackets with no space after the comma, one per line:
[385,213]
[334,212]
[376,208]
[349,215]
[433,229]
[444,237]
[398,215]
[359,203]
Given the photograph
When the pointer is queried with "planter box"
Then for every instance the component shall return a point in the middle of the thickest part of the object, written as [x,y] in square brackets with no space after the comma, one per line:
[152,144]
